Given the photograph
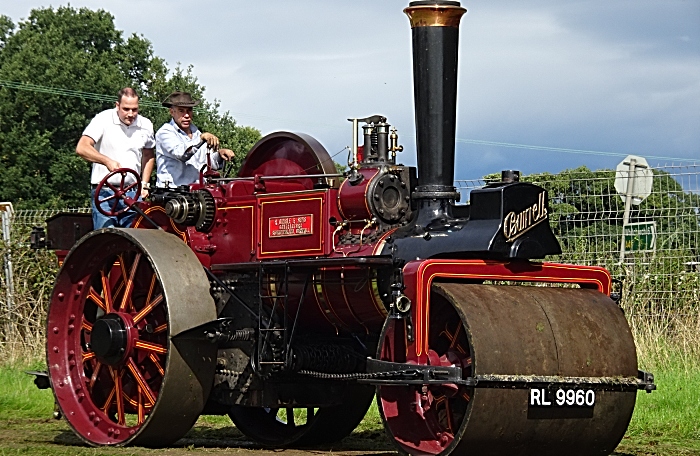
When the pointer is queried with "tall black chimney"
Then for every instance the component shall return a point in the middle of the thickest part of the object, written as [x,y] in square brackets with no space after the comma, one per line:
[435,29]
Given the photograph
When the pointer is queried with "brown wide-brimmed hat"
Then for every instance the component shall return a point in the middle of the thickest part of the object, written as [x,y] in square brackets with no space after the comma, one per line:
[183,99]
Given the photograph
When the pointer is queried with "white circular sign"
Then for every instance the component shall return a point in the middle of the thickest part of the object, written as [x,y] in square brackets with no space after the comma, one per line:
[641,176]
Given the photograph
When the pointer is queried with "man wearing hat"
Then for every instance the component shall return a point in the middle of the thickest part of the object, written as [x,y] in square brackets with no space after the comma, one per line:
[179,157]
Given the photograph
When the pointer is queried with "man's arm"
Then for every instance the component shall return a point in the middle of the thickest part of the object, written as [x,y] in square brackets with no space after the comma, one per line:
[86,149]
[170,144]
[147,161]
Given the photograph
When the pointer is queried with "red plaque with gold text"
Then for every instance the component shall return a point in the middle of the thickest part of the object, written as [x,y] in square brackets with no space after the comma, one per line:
[294,225]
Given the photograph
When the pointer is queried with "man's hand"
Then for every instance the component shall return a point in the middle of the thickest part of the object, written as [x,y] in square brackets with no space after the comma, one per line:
[111,164]
[226,154]
[212,141]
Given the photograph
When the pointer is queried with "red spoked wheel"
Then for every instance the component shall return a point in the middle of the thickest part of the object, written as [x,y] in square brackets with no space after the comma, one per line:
[118,375]
[120,191]
[427,419]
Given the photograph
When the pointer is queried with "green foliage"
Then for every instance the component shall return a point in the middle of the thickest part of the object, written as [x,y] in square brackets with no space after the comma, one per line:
[79,50]
[23,320]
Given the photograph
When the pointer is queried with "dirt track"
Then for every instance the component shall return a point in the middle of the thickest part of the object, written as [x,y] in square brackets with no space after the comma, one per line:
[54,438]
[50,437]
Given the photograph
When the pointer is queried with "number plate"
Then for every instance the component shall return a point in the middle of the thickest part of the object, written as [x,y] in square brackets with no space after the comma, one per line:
[561,397]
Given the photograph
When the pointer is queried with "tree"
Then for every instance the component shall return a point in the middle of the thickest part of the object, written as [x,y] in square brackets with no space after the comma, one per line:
[77,50]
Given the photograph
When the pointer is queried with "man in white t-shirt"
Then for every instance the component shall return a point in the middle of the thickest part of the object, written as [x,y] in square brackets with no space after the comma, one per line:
[179,156]
[118,138]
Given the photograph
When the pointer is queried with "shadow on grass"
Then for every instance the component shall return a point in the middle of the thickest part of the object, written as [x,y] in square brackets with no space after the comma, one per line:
[375,442]
[68,438]
[230,437]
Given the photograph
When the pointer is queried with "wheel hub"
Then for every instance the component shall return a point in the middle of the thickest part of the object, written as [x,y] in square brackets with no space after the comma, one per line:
[109,339]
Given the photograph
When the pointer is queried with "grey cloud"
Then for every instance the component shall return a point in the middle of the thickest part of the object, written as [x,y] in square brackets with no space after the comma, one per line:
[596,75]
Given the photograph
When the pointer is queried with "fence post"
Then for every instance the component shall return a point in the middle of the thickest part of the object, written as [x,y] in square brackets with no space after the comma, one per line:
[7,212]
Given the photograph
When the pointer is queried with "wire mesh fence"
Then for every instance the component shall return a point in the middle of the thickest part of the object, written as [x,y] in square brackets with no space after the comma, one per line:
[26,218]
[651,244]
[25,296]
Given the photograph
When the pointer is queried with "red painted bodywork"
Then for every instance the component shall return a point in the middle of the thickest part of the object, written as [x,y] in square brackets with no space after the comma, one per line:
[419,276]
[339,298]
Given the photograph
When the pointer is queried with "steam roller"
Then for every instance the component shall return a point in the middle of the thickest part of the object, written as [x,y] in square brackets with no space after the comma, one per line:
[291,296]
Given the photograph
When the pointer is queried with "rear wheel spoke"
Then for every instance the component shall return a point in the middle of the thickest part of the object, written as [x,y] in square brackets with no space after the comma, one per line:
[95,373]
[151,347]
[95,297]
[118,393]
[141,410]
[148,308]
[126,298]
[150,395]
[87,356]
[154,359]
[86,325]
[133,402]
[110,398]
[106,292]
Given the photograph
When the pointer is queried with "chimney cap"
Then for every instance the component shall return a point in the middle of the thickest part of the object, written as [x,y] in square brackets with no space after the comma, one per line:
[434,2]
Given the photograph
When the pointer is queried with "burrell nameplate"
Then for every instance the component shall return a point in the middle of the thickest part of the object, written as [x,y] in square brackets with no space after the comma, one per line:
[515,224]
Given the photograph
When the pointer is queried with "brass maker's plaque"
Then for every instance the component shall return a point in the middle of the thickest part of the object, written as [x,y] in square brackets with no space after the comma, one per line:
[517,224]
[293,225]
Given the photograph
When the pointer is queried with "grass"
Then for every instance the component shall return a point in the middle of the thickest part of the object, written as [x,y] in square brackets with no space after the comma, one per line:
[27,427]
[19,398]
[671,412]
[665,422]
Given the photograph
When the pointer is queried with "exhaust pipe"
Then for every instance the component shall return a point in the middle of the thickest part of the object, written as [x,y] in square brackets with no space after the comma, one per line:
[435,30]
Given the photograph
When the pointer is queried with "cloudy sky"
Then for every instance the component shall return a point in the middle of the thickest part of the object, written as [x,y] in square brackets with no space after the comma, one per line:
[576,82]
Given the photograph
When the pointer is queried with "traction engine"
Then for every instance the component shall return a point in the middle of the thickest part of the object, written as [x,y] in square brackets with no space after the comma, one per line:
[290,296]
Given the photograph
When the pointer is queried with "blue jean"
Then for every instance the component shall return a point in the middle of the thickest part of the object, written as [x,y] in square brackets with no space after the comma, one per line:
[99,220]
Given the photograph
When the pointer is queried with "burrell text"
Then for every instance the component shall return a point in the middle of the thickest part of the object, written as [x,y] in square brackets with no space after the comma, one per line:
[515,224]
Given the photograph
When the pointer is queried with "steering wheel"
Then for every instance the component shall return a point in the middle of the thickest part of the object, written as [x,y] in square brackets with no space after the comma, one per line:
[119,192]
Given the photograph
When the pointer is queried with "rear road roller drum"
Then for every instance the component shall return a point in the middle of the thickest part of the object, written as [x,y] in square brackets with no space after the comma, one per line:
[304,427]
[529,332]
[119,374]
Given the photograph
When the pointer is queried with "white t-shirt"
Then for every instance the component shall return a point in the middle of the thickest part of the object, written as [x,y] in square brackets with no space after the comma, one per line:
[119,142]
